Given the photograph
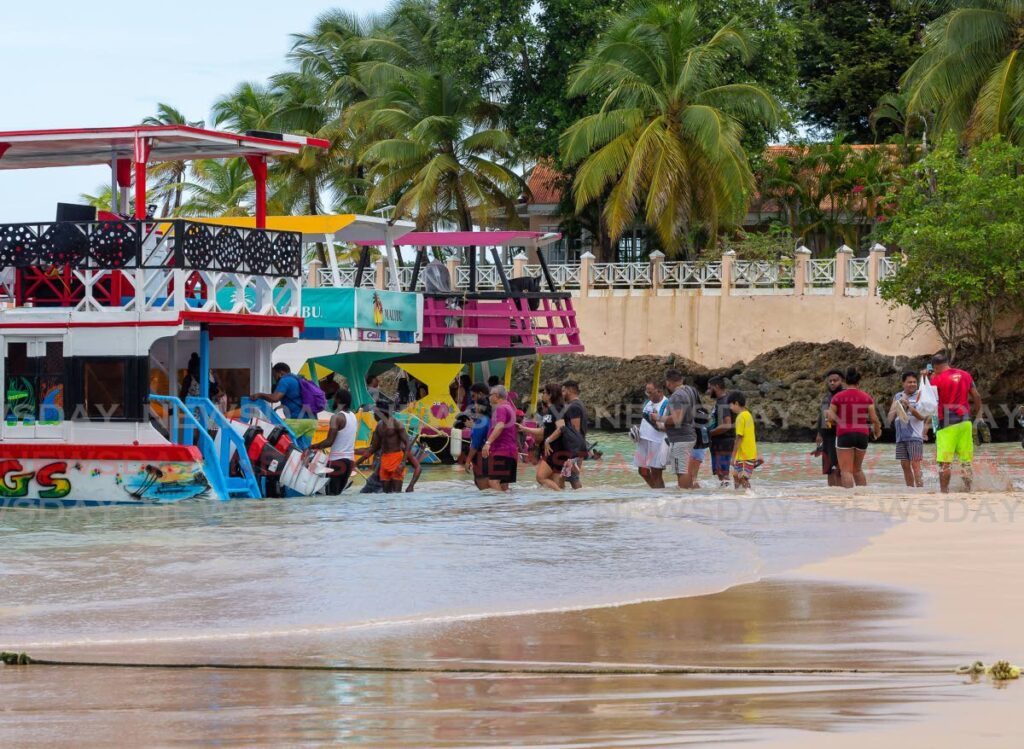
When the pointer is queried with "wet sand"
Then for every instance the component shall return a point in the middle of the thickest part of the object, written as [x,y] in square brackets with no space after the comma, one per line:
[941,588]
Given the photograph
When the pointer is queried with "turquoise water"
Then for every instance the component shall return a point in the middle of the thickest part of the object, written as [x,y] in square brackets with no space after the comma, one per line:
[206,570]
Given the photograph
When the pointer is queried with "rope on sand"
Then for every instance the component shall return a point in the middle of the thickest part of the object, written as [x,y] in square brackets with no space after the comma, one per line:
[999,671]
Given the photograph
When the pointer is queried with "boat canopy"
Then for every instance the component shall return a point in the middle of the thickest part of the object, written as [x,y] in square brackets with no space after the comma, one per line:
[365,231]
[345,227]
[33,149]
[527,239]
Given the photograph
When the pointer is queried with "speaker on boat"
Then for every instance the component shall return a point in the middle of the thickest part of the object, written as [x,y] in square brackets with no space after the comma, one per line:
[75,212]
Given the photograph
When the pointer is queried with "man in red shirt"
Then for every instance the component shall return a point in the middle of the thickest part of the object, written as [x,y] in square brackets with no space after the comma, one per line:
[959,404]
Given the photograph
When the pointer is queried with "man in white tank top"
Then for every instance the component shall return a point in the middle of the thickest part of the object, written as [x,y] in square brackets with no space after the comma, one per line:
[341,438]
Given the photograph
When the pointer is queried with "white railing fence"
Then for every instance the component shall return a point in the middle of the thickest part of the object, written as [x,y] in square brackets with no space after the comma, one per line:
[821,275]
[789,275]
[762,274]
[620,275]
[691,274]
[566,277]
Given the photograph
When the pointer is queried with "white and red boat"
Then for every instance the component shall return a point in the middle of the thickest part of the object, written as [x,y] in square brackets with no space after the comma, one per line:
[100,313]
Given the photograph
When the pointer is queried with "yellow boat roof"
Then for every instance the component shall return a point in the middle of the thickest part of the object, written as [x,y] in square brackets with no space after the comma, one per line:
[345,227]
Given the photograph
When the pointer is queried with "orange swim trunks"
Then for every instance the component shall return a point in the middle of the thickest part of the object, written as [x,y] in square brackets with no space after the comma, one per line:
[392,466]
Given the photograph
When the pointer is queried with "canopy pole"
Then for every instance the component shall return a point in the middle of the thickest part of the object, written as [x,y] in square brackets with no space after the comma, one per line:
[508,372]
[389,246]
[258,165]
[332,260]
[535,388]
[204,362]
[140,155]
[113,183]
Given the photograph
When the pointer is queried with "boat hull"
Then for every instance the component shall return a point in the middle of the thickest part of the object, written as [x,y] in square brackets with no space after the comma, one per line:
[70,476]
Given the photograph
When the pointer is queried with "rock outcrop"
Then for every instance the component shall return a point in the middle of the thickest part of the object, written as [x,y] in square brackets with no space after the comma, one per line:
[783,387]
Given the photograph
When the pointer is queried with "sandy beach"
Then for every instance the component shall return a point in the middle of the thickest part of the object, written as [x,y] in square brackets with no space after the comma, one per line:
[940,588]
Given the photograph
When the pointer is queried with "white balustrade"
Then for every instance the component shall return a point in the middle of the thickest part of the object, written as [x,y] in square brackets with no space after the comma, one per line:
[690,274]
[347,276]
[762,274]
[487,278]
[887,267]
[620,275]
[857,271]
[565,276]
[821,276]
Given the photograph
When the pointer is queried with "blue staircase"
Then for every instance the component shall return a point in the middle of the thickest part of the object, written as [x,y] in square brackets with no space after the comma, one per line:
[186,429]
[268,413]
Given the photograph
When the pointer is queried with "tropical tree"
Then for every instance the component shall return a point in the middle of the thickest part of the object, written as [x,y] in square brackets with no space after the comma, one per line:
[971,73]
[666,144]
[219,187]
[434,145]
[169,176]
[101,200]
[959,221]
[439,155]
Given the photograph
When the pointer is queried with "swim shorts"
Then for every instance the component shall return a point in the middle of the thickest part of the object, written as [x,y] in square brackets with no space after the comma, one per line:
[910,450]
[392,466]
[501,468]
[745,468]
[679,457]
[955,441]
[852,441]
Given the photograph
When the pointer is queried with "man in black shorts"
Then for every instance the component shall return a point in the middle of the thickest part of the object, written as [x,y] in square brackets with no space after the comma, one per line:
[826,441]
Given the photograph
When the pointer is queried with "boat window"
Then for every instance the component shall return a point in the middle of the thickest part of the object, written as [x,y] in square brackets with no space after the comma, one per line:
[34,380]
[103,388]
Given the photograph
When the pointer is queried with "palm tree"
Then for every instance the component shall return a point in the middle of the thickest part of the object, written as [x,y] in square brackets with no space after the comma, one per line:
[101,200]
[971,74]
[666,144]
[435,149]
[438,157]
[220,187]
[169,175]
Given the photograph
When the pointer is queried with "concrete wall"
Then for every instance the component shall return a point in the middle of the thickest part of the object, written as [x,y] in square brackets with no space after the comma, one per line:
[717,331]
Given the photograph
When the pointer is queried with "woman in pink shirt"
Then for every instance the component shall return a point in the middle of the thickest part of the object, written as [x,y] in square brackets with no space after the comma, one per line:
[855,416]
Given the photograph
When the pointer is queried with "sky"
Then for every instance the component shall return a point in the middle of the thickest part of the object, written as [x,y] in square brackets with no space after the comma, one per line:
[70,64]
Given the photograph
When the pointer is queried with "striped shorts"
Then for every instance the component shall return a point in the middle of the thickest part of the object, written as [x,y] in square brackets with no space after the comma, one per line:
[910,450]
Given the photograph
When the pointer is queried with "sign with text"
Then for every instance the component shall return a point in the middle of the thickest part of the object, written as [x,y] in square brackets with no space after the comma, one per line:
[365,309]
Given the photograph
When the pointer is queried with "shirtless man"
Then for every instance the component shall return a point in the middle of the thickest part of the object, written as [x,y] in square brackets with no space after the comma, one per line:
[392,443]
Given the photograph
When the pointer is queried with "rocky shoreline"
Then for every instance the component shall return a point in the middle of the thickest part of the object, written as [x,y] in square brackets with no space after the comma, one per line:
[784,386]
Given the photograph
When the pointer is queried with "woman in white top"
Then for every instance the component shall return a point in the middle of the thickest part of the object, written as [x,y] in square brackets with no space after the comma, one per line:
[651,447]
[341,438]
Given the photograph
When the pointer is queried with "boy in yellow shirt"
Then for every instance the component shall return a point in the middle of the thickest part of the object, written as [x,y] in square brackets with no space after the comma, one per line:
[744,454]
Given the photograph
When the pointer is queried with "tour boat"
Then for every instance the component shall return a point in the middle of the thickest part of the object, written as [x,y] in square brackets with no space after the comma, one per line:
[100,313]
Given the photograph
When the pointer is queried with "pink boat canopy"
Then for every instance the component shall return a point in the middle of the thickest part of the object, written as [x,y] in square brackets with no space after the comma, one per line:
[528,239]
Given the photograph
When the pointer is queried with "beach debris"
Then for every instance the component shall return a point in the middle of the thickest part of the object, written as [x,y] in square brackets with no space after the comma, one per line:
[1003,671]
[975,669]
[15,659]
[998,671]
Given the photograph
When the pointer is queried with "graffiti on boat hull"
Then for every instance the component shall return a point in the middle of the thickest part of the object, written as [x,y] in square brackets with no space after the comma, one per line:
[169,482]
[101,481]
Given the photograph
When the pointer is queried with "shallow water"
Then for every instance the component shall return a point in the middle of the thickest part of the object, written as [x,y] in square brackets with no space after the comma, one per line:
[206,571]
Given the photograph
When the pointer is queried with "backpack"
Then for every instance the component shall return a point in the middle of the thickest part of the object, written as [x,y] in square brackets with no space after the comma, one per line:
[701,419]
[313,398]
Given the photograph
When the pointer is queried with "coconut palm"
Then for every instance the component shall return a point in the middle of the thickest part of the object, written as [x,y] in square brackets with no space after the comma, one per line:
[439,150]
[971,74]
[666,143]
[169,176]
[219,187]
